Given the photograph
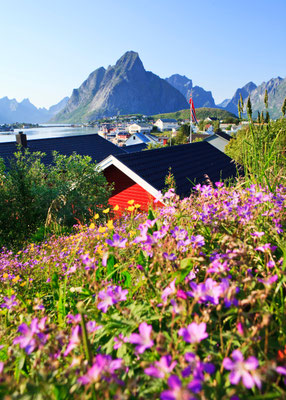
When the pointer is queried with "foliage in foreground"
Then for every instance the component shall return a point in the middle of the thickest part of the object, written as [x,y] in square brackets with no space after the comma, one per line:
[187,302]
[261,149]
[35,197]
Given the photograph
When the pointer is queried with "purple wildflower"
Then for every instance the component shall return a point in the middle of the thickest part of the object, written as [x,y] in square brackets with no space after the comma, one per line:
[161,368]
[197,369]
[264,247]
[143,339]
[197,241]
[194,333]
[281,370]
[74,340]
[257,234]
[92,327]
[117,241]
[170,257]
[269,281]
[9,302]
[111,296]
[32,336]
[217,267]
[241,369]
[176,391]
[170,289]
[103,367]
[1,367]
[119,341]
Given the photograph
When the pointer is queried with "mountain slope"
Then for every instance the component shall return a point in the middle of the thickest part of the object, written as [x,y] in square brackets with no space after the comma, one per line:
[201,113]
[201,97]
[125,88]
[276,89]
[231,104]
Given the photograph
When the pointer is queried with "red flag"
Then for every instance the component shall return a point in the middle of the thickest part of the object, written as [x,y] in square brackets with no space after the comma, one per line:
[193,111]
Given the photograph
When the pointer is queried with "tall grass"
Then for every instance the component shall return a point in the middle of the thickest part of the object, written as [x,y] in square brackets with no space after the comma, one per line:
[261,151]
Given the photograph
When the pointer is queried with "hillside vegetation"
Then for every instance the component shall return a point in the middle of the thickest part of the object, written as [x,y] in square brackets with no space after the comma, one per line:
[201,113]
[185,302]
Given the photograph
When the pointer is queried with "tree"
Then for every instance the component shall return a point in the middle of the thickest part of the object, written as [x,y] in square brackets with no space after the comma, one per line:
[249,108]
[283,109]
[216,126]
[266,99]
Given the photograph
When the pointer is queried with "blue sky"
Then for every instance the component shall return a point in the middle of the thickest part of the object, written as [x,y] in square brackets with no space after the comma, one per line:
[50,47]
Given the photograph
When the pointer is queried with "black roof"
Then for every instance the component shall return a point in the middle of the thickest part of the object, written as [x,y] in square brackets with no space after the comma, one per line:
[223,135]
[135,147]
[93,145]
[189,164]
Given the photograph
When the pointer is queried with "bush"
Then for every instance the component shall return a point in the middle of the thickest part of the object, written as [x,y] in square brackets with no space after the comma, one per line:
[33,195]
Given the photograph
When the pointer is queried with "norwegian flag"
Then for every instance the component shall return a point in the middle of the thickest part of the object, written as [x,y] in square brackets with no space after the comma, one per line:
[193,111]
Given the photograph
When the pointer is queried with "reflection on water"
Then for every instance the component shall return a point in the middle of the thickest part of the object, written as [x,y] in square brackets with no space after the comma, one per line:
[47,132]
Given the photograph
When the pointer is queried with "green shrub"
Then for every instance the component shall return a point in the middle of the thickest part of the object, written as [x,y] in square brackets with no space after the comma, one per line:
[33,195]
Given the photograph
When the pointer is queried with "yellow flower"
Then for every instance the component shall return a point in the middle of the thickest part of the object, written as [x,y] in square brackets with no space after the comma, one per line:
[116,208]
[131,208]
[110,224]
[96,216]
[91,226]
[137,205]
[99,250]
[131,202]
[16,278]
[132,233]
[106,211]
[5,275]
[101,229]
[23,284]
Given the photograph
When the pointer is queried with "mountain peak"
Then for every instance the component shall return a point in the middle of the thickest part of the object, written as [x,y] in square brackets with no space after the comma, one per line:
[130,61]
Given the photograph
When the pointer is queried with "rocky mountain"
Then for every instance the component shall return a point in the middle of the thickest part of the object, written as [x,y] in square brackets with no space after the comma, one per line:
[124,88]
[11,111]
[201,97]
[276,89]
[231,104]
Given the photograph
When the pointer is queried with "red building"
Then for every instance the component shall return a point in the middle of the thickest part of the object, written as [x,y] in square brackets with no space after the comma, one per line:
[140,176]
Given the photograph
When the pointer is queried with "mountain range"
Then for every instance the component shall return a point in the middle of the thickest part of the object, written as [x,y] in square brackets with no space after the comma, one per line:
[127,88]
[276,89]
[201,97]
[11,111]
[124,88]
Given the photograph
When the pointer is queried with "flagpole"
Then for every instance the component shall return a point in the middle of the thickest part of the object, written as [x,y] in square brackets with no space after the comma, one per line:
[191,119]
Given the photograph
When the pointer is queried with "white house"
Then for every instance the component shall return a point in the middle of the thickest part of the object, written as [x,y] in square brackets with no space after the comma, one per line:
[139,138]
[141,128]
[166,124]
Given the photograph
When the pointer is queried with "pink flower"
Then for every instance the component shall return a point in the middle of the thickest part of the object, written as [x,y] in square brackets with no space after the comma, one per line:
[143,339]
[170,289]
[161,368]
[103,367]
[242,370]
[74,340]
[194,333]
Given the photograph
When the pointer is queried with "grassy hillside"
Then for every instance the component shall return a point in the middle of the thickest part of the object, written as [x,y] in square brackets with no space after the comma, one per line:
[191,295]
[202,113]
